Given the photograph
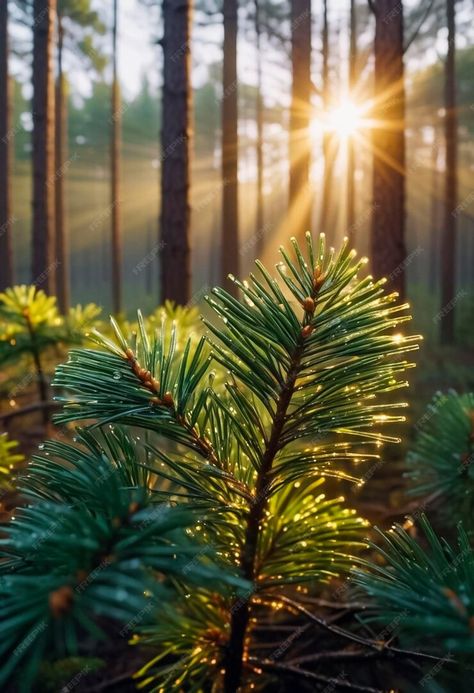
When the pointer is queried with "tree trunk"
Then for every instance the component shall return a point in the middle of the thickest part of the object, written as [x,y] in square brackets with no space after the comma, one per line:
[350,140]
[448,241]
[230,145]
[434,225]
[115,175]
[329,144]
[6,220]
[387,241]
[43,264]
[259,144]
[175,153]
[300,195]
[62,253]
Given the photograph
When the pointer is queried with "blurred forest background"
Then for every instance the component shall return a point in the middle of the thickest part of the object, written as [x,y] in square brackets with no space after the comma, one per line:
[109,72]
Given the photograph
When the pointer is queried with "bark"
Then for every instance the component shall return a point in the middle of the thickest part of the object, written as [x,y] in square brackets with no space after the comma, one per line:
[350,141]
[62,251]
[329,144]
[434,225]
[230,145]
[387,241]
[300,196]
[259,144]
[43,261]
[175,153]
[6,220]
[115,166]
[448,240]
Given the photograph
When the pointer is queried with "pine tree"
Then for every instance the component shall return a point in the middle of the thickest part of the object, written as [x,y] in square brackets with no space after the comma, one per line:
[115,160]
[175,153]
[43,260]
[31,327]
[230,145]
[300,194]
[238,431]
[387,239]
[6,245]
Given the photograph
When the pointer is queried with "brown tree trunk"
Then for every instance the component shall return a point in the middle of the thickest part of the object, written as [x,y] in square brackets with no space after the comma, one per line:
[329,153]
[115,217]
[43,265]
[175,153]
[230,147]
[448,240]
[434,221]
[6,221]
[62,254]
[350,141]
[387,240]
[300,195]
[259,143]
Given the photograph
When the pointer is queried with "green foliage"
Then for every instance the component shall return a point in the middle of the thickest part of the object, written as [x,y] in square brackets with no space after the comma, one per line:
[32,322]
[9,459]
[34,334]
[429,591]
[92,544]
[55,676]
[299,361]
[441,462]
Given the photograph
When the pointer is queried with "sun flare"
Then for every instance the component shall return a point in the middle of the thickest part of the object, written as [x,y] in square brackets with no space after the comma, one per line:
[343,120]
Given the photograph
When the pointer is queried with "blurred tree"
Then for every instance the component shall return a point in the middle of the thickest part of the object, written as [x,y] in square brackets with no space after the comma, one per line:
[115,146]
[6,221]
[387,240]
[175,152]
[230,146]
[448,239]
[71,15]
[350,141]
[329,143]
[300,196]
[43,265]
[259,142]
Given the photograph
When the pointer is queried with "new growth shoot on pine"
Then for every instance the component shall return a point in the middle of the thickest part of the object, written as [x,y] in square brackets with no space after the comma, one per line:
[242,426]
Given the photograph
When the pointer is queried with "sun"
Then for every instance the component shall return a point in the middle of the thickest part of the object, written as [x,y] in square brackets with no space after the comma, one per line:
[343,120]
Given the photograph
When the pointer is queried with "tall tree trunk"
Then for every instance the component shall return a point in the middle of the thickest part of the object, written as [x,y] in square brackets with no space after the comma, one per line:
[230,147]
[300,195]
[350,140]
[329,143]
[44,12]
[6,221]
[259,143]
[434,221]
[175,153]
[62,253]
[448,241]
[387,240]
[115,216]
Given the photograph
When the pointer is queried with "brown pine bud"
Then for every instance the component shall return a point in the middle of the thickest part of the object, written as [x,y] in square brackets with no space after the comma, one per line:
[60,600]
[306,331]
[156,400]
[168,399]
[130,355]
[155,384]
[308,304]
[133,507]
[116,522]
